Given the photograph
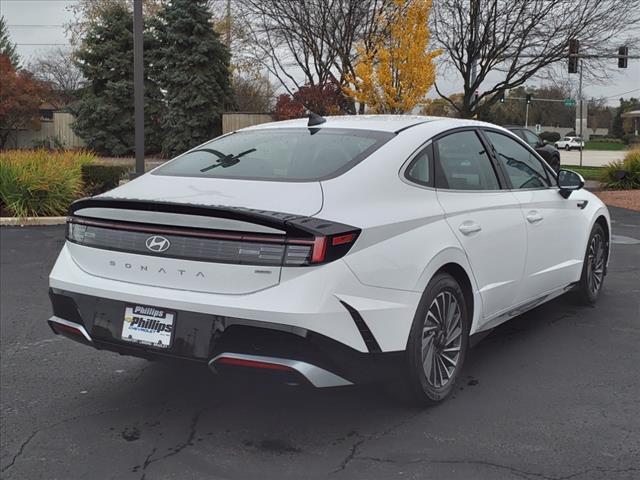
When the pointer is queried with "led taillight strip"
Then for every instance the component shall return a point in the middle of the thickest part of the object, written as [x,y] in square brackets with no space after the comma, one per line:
[323,248]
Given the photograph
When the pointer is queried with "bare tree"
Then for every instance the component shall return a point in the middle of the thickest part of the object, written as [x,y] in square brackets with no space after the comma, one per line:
[253,91]
[523,38]
[57,67]
[309,42]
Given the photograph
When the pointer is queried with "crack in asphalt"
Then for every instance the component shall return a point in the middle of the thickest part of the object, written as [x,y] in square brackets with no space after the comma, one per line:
[49,427]
[374,436]
[19,452]
[521,473]
[175,450]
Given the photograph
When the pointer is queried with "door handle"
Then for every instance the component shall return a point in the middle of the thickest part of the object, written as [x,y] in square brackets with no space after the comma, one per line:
[467,228]
[534,217]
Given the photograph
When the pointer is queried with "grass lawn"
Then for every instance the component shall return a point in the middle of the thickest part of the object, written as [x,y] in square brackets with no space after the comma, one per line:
[589,173]
[595,145]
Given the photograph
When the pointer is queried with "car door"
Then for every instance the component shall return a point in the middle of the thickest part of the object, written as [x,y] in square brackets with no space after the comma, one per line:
[485,218]
[554,256]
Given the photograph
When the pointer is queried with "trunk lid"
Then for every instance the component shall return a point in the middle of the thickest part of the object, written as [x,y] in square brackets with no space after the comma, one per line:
[199,234]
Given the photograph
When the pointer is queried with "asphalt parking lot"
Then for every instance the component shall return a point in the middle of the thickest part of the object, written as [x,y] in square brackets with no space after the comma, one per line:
[554,394]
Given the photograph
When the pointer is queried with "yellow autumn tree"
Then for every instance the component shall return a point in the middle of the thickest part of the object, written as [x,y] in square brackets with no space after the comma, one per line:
[397,71]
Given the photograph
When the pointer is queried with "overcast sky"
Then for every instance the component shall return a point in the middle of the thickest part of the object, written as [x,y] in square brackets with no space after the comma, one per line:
[37,25]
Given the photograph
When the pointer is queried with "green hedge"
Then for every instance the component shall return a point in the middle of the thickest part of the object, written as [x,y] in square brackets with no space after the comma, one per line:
[101,178]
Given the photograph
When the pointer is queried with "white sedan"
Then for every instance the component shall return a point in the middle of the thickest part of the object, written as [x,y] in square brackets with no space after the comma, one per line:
[569,143]
[334,251]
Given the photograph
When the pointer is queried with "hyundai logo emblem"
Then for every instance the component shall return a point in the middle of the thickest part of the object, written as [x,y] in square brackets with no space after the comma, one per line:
[157,244]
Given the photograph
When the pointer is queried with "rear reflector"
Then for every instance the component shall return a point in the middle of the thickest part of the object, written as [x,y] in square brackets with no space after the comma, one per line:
[241,362]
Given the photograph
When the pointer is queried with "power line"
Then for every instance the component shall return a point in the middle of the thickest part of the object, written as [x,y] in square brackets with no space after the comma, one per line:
[44,44]
[50,25]
[618,95]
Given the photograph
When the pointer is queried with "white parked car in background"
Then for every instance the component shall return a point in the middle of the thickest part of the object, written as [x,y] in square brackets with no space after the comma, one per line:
[338,251]
[569,143]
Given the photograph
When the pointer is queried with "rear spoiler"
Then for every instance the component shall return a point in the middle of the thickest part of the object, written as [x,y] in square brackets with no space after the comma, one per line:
[293,225]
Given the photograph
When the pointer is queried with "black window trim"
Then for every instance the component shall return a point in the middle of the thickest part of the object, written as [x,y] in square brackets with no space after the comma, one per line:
[551,174]
[438,171]
[382,138]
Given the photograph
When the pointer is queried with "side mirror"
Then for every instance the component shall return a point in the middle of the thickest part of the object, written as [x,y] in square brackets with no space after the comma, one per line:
[568,181]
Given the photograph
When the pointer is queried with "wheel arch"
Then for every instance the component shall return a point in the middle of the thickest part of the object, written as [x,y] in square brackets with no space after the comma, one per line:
[454,262]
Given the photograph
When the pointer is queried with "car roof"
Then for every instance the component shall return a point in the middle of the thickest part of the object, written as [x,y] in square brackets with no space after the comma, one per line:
[383,123]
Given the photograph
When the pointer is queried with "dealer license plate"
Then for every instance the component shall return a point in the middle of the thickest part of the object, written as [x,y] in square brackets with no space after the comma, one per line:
[148,325]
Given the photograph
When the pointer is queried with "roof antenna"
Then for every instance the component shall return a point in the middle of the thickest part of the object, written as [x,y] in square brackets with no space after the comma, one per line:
[315,119]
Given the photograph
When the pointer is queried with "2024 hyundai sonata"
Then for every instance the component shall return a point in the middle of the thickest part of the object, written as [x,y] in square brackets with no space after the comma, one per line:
[338,251]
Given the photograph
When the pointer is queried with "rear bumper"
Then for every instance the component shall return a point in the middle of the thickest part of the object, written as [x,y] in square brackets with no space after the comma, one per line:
[225,343]
[327,300]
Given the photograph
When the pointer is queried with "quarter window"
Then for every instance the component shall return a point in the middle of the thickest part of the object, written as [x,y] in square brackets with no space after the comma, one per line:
[464,163]
[522,167]
[419,170]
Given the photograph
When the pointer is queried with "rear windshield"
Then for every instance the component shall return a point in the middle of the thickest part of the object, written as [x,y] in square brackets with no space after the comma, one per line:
[300,154]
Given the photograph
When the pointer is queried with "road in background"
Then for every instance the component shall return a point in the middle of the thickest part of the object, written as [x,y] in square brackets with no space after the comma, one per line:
[591,158]
[553,394]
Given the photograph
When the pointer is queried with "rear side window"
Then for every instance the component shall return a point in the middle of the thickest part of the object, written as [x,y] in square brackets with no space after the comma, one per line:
[299,154]
[531,138]
[464,163]
[522,167]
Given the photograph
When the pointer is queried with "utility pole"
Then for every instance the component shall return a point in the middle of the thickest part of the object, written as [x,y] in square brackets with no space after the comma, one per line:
[581,107]
[229,24]
[138,86]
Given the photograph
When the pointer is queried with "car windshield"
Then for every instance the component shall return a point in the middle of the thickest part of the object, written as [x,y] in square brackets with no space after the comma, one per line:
[298,154]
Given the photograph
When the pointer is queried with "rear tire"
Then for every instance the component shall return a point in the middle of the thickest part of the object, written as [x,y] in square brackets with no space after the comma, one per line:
[437,342]
[593,267]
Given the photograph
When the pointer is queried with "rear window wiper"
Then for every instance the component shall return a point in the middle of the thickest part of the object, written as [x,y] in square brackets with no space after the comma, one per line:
[224,161]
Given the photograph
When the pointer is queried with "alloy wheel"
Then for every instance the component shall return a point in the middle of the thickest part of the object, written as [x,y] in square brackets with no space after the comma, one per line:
[595,264]
[441,339]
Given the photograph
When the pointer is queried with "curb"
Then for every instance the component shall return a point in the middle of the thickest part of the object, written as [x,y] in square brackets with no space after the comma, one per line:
[29,221]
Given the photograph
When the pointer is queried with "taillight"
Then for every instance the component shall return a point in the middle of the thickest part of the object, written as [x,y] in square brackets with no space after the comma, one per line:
[320,250]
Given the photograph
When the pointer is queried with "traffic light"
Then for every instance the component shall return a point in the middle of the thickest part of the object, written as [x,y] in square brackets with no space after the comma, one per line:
[502,97]
[623,53]
[528,98]
[574,49]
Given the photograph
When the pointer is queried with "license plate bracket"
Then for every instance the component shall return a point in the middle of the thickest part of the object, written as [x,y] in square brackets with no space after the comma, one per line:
[149,326]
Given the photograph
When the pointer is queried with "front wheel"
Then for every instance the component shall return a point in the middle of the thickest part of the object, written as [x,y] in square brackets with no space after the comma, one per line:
[438,341]
[594,265]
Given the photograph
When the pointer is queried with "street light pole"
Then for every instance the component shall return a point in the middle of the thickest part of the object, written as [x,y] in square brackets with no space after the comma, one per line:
[138,86]
[526,116]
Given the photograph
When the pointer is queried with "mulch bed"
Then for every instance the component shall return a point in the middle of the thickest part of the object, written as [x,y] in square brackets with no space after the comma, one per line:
[621,198]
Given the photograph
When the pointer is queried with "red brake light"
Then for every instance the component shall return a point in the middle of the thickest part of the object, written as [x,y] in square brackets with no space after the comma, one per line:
[342,239]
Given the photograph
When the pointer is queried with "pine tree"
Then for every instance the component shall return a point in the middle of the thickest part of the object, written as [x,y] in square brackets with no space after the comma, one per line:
[195,74]
[105,111]
[7,47]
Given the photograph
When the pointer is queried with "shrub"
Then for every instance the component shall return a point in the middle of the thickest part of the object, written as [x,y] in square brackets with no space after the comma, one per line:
[100,178]
[625,174]
[40,182]
[550,137]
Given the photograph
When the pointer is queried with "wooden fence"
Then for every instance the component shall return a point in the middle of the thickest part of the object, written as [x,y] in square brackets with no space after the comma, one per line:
[57,129]
[235,120]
